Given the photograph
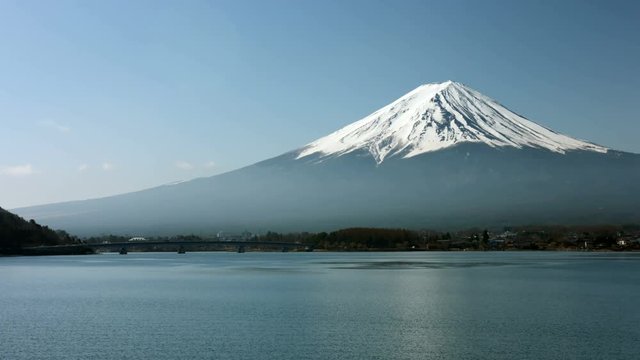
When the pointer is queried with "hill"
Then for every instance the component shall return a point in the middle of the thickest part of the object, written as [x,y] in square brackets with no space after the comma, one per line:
[17,233]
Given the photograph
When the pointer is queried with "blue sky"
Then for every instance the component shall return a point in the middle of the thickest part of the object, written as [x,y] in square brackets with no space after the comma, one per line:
[105,97]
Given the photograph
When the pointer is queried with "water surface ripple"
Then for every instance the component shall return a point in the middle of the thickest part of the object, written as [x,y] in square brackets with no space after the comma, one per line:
[501,305]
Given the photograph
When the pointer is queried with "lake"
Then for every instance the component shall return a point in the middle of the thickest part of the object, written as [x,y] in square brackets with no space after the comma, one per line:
[414,305]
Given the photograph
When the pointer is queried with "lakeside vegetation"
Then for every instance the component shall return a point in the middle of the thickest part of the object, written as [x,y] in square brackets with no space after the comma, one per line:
[577,238]
[603,237]
[18,234]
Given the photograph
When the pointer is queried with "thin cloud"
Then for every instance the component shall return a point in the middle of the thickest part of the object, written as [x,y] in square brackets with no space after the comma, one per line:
[83,167]
[55,125]
[18,170]
[209,165]
[107,166]
[184,165]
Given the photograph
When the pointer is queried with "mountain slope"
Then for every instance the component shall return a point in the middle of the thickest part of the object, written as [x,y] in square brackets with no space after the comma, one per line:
[442,156]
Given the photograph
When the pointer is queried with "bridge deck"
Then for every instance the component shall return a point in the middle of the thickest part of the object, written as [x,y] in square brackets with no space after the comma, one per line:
[175,244]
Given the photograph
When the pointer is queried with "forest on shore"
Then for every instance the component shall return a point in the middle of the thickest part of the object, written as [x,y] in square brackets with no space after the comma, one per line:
[16,234]
[600,237]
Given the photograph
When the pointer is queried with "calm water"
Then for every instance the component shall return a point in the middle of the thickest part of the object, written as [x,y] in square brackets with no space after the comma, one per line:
[321,306]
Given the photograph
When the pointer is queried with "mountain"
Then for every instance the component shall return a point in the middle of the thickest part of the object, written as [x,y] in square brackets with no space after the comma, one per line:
[441,156]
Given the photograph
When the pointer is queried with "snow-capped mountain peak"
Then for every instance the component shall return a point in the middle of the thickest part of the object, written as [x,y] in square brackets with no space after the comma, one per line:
[436,116]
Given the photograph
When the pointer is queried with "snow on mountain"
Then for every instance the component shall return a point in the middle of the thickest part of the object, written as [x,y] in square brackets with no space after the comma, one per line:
[436,116]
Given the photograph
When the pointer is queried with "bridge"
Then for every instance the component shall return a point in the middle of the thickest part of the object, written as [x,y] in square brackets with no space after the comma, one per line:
[168,246]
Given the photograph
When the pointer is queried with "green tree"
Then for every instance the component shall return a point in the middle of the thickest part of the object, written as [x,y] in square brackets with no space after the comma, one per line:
[485,239]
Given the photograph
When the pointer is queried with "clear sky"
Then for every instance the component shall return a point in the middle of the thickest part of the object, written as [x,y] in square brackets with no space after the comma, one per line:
[106,97]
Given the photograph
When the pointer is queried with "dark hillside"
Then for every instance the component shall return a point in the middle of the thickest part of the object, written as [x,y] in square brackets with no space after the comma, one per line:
[17,233]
